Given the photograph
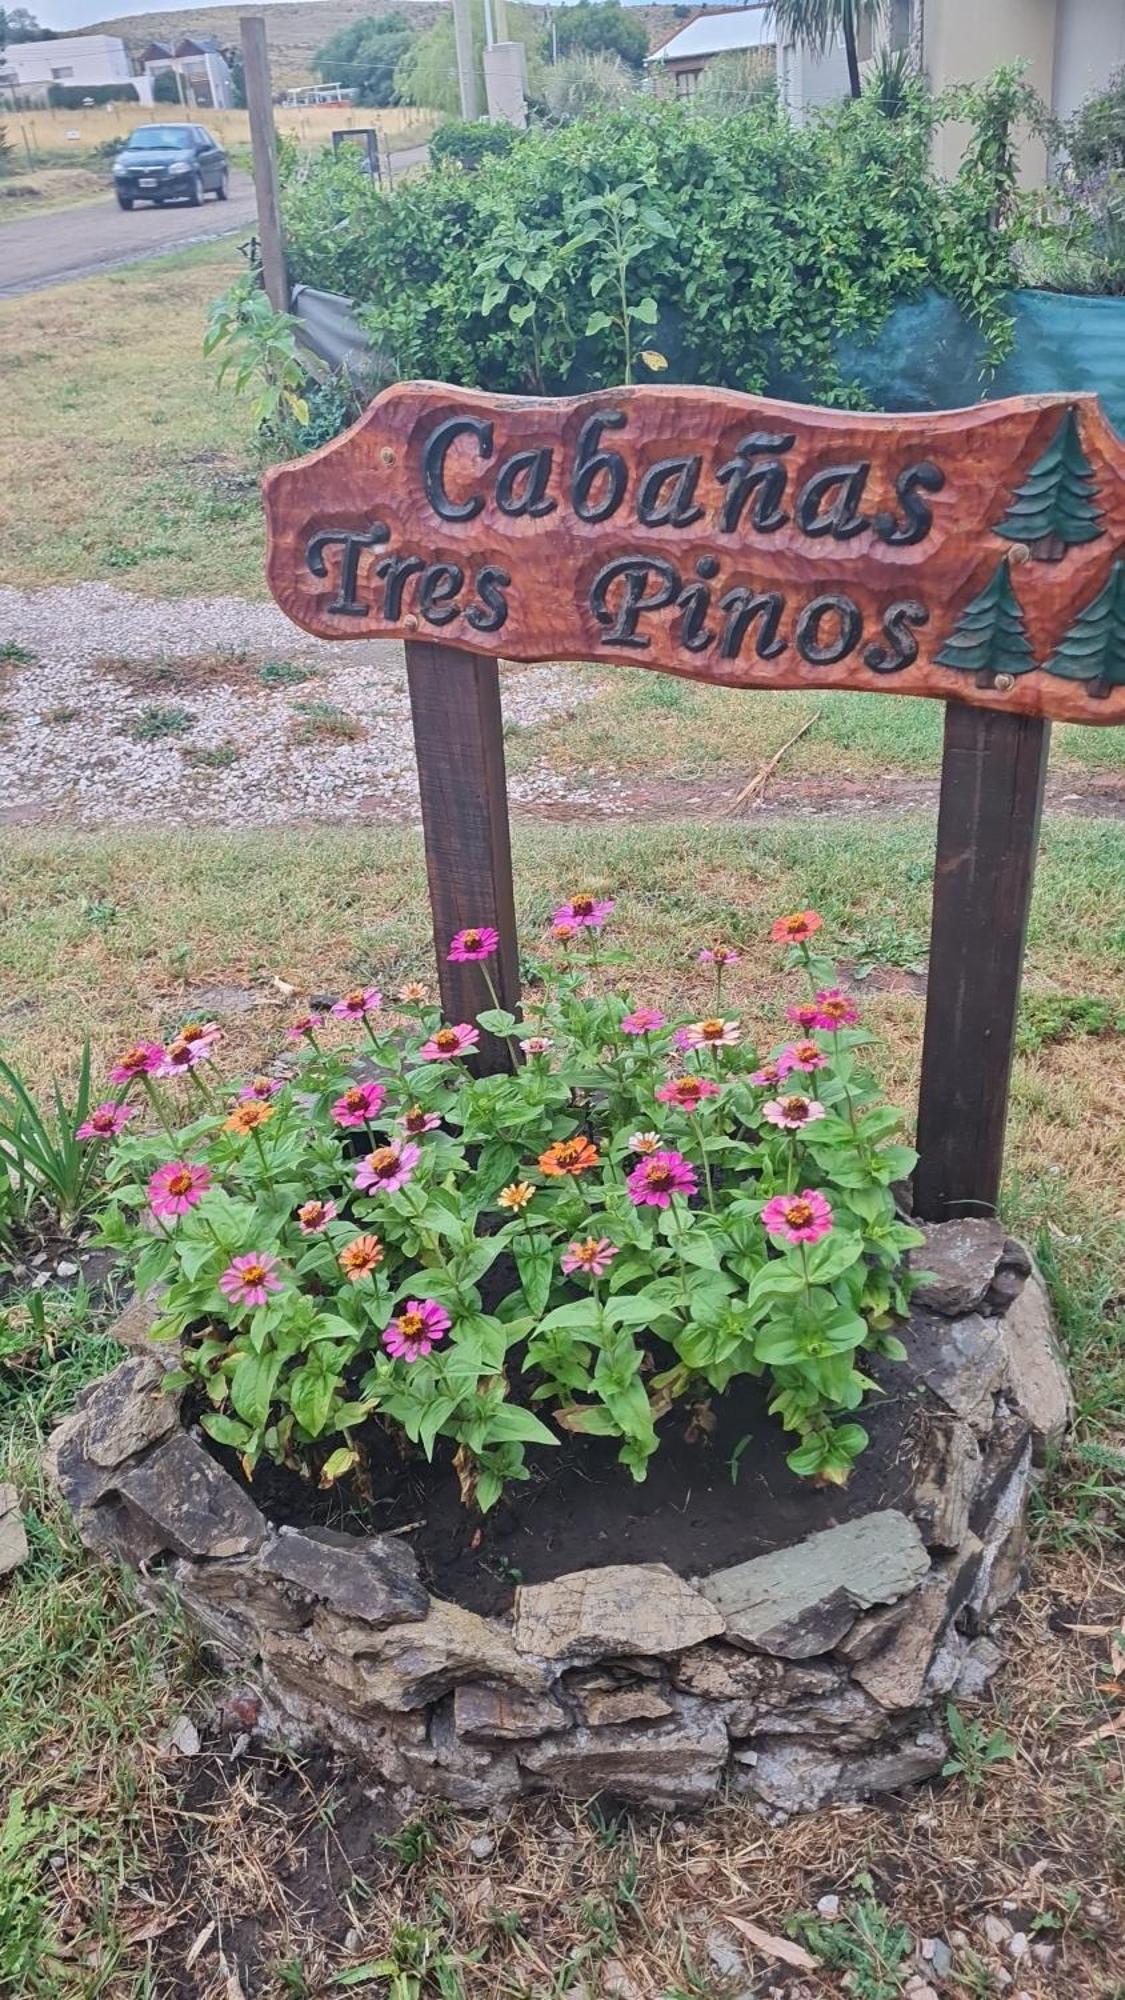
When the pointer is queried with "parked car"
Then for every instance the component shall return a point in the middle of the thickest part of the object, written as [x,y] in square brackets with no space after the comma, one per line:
[160,163]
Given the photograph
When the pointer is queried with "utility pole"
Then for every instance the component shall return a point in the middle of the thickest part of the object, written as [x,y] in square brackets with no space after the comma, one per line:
[466,69]
[263,142]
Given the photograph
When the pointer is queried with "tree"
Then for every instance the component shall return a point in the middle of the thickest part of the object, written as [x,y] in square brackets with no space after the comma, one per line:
[166,87]
[990,637]
[599,27]
[18,25]
[1094,648]
[815,24]
[1055,508]
[233,60]
[364,56]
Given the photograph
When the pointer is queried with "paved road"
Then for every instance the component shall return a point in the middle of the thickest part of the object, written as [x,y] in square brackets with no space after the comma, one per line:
[78,242]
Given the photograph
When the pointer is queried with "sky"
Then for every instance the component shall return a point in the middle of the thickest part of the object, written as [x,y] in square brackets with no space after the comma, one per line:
[72,14]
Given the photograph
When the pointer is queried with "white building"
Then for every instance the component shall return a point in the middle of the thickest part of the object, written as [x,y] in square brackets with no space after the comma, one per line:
[79,62]
[203,79]
[677,63]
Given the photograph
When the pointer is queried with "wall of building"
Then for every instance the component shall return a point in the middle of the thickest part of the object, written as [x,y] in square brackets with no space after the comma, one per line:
[72,59]
[806,81]
[963,41]
[1089,44]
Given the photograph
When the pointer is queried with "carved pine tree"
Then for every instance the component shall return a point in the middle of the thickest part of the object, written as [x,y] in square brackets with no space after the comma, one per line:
[1094,648]
[1056,506]
[990,637]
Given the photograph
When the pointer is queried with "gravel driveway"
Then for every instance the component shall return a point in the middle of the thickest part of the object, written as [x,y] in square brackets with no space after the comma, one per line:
[117,710]
[39,250]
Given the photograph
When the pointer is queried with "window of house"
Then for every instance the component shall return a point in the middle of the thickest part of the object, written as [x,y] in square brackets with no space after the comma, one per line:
[687,81]
[60,74]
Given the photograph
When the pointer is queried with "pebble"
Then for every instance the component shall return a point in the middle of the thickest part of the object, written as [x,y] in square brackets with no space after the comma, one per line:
[996,1930]
[66,1269]
[724,1956]
[481,1846]
[828,1906]
[1045,1953]
[920,1989]
[1017,1945]
[936,1952]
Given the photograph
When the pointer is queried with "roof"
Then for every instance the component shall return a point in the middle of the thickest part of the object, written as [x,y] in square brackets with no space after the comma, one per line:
[713,34]
[198,45]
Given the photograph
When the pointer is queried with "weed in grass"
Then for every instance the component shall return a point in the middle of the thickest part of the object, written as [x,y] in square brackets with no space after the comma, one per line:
[284,673]
[12,655]
[413,1842]
[883,942]
[155,723]
[864,1943]
[976,1750]
[212,756]
[324,722]
[28,1943]
[98,912]
[1045,1018]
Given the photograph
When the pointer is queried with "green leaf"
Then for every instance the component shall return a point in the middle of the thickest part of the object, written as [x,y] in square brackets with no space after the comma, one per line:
[511,1424]
[535,1263]
[341,1461]
[311,1393]
[646,311]
[252,1386]
[225,1430]
[598,322]
[497,1021]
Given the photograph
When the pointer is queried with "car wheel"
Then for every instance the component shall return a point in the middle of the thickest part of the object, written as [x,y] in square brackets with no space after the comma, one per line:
[221,190]
[195,191]
[124,201]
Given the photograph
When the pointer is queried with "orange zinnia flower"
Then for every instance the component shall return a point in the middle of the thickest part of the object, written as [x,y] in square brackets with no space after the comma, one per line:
[361,1258]
[247,1117]
[569,1156]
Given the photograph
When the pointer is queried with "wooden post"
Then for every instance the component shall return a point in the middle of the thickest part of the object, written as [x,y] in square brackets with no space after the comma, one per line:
[466,64]
[459,745]
[263,142]
[992,777]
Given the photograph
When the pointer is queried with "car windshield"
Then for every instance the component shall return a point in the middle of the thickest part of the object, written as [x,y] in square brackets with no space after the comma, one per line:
[158,139]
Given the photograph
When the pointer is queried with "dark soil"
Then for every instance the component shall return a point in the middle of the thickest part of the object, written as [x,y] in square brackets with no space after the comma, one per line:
[581,1509]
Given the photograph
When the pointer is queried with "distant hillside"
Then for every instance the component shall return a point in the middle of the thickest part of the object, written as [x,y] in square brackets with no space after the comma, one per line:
[295,29]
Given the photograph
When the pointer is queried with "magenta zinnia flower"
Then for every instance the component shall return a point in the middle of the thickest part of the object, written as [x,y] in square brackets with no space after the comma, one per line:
[658,1177]
[413,1331]
[181,1057]
[358,1105]
[806,1017]
[175,1188]
[790,1113]
[258,1092]
[642,1021]
[313,1216]
[717,954]
[304,1029]
[769,1076]
[249,1280]
[593,1256]
[141,1060]
[388,1168]
[106,1121]
[801,1055]
[585,912]
[470,945]
[362,1000]
[686,1092]
[798,1218]
[416,1121]
[835,1010]
[448,1043]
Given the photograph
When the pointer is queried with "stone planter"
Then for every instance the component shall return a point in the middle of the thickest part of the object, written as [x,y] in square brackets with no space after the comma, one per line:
[805,1676]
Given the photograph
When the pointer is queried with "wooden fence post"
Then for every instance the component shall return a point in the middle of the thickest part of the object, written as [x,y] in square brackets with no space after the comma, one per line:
[263,142]
[459,745]
[992,778]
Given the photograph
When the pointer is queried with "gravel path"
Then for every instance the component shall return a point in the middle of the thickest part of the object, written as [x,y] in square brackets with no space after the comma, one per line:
[83,668]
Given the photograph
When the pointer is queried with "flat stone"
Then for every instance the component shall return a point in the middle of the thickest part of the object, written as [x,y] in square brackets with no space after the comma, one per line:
[963,1361]
[190,1504]
[604,1708]
[678,1762]
[462,1772]
[1037,1380]
[946,1484]
[505,1715]
[13,1534]
[1005,1544]
[402,1666]
[624,1608]
[961,1259]
[232,1605]
[134,1325]
[846,1718]
[371,1577]
[801,1601]
[896,1672]
[129,1411]
[981,1660]
[798,1777]
[1014,1268]
[725,1673]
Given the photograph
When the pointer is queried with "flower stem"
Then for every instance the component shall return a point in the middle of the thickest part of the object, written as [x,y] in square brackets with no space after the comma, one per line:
[696,1124]
[158,1106]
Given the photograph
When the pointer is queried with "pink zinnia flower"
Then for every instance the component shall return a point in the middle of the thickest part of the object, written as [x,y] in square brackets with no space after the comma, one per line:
[182,1057]
[593,1256]
[195,1032]
[642,1021]
[585,912]
[658,1177]
[262,1088]
[801,1055]
[683,1040]
[686,1092]
[175,1188]
[249,1280]
[362,1000]
[790,1113]
[769,1076]
[416,1121]
[713,1034]
[106,1121]
[796,928]
[388,1168]
[835,1009]
[803,1017]
[358,1105]
[718,954]
[313,1216]
[798,1218]
[536,1045]
[644,1142]
[448,1043]
[141,1060]
[303,1029]
[470,945]
[413,1331]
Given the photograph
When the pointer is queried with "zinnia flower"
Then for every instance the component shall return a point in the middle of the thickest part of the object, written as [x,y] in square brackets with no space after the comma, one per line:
[181,1057]
[359,1104]
[585,912]
[687,1092]
[416,1121]
[569,1156]
[449,1043]
[835,1009]
[388,1168]
[564,932]
[313,1216]
[141,1060]
[413,994]
[797,928]
[798,1218]
[177,1187]
[717,954]
[106,1121]
[593,1256]
[515,1197]
[644,1142]
[806,1016]
[248,1117]
[414,1330]
[801,1055]
[713,1034]
[359,1258]
[536,1045]
[790,1113]
[642,1021]
[260,1091]
[362,1000]
[769,1076]
[249,1280]
[657,1178]
[470,945]
[194,1032]
[303,1029]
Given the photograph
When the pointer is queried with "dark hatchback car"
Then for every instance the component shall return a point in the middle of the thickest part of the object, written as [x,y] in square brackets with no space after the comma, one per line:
[162,163]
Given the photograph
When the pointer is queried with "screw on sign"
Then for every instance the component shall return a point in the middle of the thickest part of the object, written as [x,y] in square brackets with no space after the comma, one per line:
[971,556]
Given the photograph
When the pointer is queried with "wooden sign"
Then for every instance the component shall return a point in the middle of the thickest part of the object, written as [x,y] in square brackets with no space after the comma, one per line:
[974,555]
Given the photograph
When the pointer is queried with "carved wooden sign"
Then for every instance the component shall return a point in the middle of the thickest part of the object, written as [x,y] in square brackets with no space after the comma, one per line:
[975,555]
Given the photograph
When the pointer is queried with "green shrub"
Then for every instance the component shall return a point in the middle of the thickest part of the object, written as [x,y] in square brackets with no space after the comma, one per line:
[581,85]
[468,141]
[72,96]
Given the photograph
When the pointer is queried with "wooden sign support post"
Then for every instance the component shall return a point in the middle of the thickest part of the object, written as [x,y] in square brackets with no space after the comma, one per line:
[973,556]
[263,142]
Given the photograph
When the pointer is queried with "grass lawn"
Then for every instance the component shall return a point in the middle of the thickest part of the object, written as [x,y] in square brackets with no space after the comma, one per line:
[122,1857]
